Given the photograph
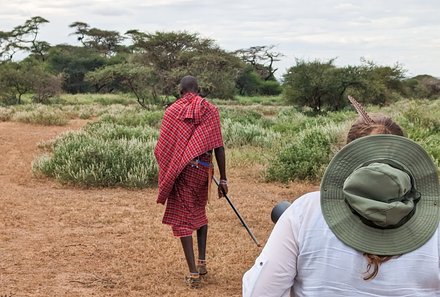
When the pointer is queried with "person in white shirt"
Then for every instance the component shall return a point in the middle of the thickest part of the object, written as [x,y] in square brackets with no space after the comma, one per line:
[371,230]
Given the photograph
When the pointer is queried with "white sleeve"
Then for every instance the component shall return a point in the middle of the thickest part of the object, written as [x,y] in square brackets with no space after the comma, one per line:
[274,270]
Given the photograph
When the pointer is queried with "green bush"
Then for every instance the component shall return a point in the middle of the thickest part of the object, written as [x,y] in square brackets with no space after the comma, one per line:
[270,87]
[103,154]
[304,159]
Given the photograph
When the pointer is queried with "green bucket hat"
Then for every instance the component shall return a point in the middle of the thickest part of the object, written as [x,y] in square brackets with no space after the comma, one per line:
[380,194]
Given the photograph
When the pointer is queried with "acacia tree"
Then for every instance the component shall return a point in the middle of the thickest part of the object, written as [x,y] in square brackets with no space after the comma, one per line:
[174,54]
[422,86]
[138,79]
[14,83]
[27,76]
[322,85]
[259,75]
[262,59]
[23,38]
[319,85]
[105,42]
[380,83]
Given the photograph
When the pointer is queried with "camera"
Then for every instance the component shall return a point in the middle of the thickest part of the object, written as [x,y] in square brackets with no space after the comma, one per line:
[278,210]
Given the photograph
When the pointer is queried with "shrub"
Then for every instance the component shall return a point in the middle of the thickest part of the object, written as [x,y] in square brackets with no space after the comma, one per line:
[46,86]
[103,154]
[305,158]
[270,87]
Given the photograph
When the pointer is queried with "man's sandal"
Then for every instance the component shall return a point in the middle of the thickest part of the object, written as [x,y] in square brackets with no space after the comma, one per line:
[193,280]
[201,267]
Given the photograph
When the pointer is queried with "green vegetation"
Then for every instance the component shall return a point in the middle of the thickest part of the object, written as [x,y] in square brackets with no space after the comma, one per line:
[116,149]
[323,86]
[149,66]
[304,159]
[421,122]
[102,154]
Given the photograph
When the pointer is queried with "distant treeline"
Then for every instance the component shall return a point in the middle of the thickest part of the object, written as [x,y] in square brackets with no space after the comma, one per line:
[150,65]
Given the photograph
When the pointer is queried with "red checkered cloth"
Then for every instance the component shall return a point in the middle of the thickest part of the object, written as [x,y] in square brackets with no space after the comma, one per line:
[190,127]
[185,209]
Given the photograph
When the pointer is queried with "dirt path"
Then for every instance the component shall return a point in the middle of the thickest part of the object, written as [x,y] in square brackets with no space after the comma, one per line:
[58,240]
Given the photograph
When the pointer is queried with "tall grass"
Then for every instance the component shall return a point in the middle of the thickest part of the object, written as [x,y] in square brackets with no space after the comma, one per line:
[134,117]
[5,114]
[237,134]
[255,100]
[40,114]
[90,99]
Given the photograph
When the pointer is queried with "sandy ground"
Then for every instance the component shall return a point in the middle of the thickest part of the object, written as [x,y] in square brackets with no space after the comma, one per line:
[58,240]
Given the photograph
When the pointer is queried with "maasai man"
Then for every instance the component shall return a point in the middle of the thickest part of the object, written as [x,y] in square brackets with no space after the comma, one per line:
[190,131]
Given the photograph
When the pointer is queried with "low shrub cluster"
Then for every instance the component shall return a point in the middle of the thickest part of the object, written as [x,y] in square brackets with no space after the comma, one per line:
[103,154]
[305,157]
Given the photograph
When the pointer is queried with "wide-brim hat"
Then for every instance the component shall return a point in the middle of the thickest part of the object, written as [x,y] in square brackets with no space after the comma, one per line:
[349,227]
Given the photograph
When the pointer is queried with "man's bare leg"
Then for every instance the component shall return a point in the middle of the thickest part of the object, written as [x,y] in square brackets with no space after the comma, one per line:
[188,249]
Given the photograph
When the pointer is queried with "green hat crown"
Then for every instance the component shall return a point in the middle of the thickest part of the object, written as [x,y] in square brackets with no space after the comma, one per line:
[380,194]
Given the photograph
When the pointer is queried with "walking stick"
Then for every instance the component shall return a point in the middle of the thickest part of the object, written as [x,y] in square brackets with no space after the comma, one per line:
[238,214]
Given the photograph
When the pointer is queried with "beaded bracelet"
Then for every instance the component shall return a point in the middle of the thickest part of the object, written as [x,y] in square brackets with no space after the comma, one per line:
[223,181]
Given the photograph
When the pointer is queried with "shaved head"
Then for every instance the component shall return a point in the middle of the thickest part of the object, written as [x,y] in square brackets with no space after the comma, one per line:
[189,84]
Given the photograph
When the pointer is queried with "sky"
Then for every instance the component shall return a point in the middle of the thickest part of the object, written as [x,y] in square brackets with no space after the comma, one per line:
[386,32]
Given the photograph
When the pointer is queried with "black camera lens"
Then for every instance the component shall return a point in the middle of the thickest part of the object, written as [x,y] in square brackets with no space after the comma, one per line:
[278,210]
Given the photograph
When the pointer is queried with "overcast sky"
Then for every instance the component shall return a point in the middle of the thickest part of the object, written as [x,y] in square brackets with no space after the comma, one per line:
[383,31]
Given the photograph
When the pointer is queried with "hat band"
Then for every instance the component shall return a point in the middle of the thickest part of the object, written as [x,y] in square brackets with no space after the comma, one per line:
[372,224]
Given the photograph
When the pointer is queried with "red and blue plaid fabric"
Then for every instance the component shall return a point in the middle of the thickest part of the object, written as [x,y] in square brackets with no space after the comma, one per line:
[185,210]
[190,127]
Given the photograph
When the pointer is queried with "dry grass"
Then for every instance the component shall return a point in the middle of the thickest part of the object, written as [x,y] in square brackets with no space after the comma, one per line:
[67,241]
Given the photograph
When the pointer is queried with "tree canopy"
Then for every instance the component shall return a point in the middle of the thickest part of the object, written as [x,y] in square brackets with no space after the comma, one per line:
[151,64]
[322,85]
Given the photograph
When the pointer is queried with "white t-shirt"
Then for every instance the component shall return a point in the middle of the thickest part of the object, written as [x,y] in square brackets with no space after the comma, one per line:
[303,257]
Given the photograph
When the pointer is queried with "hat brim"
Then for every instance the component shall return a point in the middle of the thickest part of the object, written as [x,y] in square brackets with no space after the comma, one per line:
[349,228]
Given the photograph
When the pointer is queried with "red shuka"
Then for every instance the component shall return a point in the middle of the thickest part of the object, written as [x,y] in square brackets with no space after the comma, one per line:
[190,127]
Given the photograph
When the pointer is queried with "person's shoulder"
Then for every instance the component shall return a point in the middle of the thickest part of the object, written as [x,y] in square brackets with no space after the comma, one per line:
[308,202]
[168,105]
[210,108]
[310,198]
[173,107]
